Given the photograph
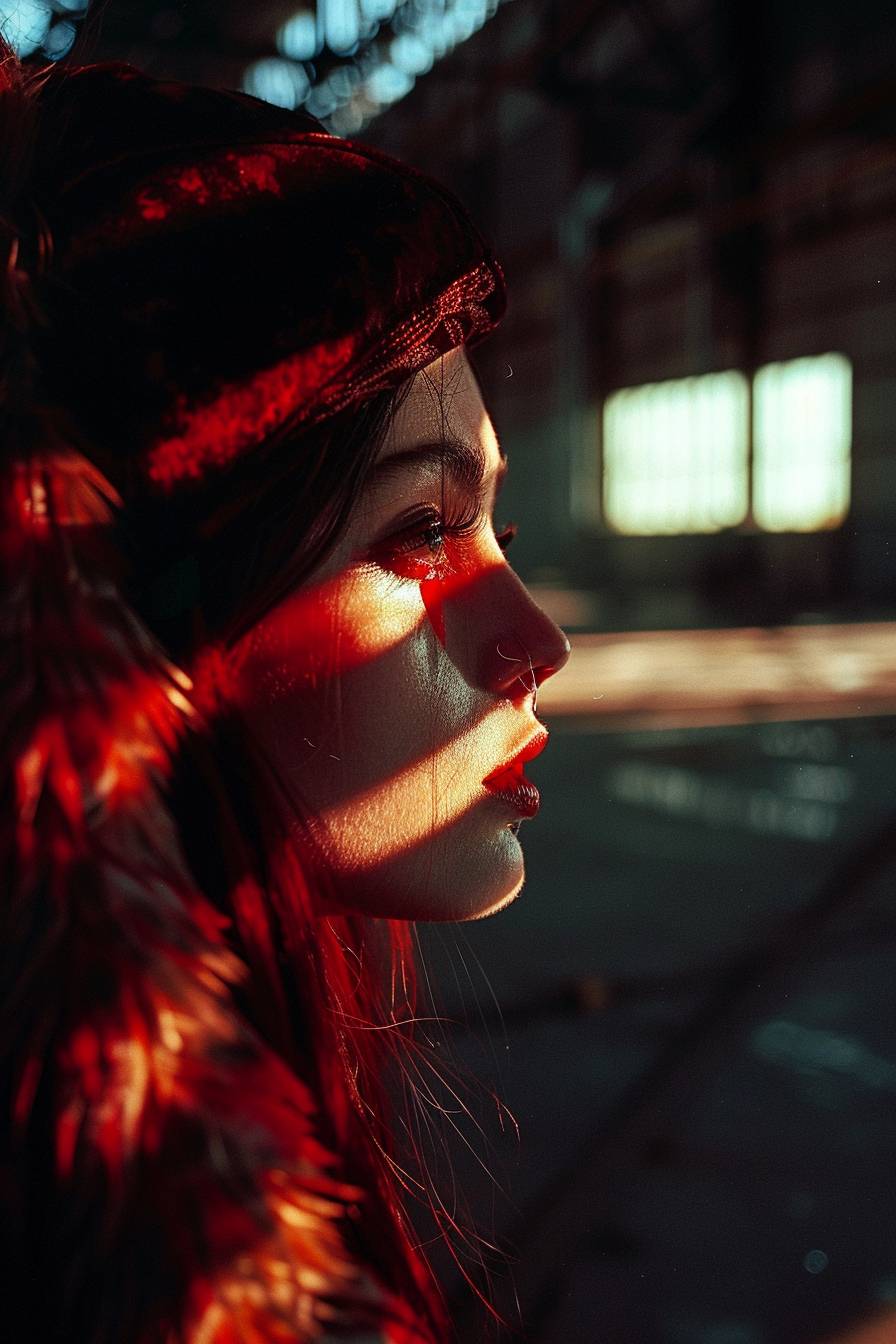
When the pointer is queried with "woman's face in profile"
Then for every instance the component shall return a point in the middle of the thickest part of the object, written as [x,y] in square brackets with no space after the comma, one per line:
[402,675]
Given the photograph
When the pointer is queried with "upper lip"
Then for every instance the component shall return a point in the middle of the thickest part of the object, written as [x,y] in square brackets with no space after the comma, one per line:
[514,765]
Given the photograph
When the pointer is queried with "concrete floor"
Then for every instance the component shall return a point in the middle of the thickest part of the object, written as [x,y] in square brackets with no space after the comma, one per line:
[698,1039]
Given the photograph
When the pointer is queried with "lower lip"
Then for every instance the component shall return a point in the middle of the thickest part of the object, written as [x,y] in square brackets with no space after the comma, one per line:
[523,796]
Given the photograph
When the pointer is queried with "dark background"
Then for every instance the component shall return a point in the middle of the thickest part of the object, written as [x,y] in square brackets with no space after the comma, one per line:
[690,1011]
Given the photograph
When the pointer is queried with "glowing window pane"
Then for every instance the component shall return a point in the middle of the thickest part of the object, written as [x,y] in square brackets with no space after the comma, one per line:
[297,38]
[342,24]
[378,11]
[802,437]
[387,84]
[675,455]
[409,54]
[468,16]
[59,40]
[25,23]
[282,83]
[389,60]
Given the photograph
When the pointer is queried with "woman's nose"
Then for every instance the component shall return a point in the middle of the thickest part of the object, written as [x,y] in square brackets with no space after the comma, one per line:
[514,645]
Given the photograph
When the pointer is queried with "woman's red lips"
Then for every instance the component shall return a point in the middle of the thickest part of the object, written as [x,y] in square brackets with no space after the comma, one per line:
[510,782]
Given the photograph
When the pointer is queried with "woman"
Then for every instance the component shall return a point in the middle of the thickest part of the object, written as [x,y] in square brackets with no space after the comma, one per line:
[269,689]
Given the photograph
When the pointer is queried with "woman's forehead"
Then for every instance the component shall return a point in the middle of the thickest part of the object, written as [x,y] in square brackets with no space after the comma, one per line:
[444,401]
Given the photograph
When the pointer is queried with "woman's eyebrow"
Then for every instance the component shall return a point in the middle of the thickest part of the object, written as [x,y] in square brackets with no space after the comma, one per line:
[465,461]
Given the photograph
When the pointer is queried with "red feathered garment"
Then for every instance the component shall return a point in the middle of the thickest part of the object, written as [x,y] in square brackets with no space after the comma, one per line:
[188,272]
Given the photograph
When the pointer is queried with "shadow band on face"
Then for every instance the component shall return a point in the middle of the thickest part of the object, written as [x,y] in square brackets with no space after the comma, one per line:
[293,660]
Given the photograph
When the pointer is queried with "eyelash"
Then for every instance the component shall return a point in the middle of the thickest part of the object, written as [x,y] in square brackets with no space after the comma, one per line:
[417,538]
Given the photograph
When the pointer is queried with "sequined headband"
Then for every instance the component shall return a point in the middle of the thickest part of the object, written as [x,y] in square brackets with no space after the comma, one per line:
[223,268]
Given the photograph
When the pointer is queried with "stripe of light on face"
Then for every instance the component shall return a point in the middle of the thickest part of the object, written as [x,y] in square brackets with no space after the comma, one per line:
[467,463]
[331,627]
[299,634]
[445,785]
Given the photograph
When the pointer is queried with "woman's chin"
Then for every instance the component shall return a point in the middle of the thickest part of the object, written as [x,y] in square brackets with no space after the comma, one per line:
[475,875]
[510,874]
[480,877]
[466,877]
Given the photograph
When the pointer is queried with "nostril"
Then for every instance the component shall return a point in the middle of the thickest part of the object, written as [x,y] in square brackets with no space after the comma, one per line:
[514,666]
[555,661]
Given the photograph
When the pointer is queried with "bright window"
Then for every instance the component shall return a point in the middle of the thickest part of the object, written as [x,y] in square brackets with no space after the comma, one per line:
[802,437]
[675,455]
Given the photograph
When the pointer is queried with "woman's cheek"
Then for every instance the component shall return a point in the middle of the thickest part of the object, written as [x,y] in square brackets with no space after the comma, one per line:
[324,632]
[436,592]
[432,592]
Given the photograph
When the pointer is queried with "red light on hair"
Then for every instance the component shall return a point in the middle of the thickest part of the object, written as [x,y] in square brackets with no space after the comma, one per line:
[213,434]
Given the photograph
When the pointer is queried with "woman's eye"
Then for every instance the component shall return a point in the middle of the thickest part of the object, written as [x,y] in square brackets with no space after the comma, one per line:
[433,536]
[435,547]
[425,538]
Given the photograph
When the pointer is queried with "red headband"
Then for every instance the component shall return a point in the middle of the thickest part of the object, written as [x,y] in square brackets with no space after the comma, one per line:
[224,268]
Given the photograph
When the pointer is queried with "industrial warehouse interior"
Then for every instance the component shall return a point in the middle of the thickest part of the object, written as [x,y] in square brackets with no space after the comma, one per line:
[669,1104]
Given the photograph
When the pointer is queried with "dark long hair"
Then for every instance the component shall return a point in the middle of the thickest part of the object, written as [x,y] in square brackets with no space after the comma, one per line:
[316,985]
[193,1097]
